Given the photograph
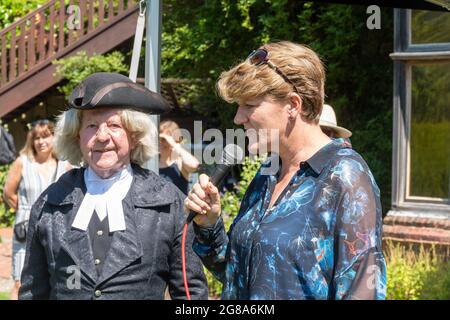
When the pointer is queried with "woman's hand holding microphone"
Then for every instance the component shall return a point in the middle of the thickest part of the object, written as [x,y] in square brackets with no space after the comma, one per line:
[204,199]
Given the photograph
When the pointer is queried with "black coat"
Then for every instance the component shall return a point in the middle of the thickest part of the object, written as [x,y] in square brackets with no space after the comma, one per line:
[141,262]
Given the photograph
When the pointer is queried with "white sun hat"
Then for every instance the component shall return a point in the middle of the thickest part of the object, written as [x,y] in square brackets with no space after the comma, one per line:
[328,120]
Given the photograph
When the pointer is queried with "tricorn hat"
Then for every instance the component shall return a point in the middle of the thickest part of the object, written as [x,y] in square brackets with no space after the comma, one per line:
[107,89]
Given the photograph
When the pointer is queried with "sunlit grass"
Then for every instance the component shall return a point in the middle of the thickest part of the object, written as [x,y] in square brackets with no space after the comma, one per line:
[416,274]
[4,295]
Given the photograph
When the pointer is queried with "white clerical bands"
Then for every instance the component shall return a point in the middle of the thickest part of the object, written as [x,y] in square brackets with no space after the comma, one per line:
[104,196]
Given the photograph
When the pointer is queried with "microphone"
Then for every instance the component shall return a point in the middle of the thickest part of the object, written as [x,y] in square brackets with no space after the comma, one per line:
[232,154]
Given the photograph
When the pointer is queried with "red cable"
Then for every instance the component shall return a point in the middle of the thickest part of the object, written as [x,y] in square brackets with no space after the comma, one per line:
[183,260]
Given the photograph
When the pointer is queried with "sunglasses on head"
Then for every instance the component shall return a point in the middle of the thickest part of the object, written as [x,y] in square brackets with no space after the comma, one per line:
[261,56]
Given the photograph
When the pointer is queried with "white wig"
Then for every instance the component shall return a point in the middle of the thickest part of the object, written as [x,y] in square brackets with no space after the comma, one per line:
[137,124]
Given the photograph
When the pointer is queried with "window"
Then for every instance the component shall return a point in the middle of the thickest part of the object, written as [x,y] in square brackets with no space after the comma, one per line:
[429,148]
[421,142]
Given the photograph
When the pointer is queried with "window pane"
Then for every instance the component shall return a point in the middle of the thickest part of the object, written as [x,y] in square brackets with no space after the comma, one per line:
[430,26]
[430,131]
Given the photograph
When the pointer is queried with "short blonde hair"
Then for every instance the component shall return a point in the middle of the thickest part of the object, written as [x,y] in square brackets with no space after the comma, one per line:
[299,63]
[137,124]
[44,128]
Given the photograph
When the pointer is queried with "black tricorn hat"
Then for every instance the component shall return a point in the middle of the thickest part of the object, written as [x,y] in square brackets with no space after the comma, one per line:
[107,89]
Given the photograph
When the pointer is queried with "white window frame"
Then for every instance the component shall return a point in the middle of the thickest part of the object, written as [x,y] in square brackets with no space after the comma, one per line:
[405,56]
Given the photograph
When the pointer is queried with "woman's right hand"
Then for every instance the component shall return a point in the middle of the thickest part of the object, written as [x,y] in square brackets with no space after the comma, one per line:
[204,198]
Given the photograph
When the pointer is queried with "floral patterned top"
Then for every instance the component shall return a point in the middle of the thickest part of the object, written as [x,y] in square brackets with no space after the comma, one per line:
[320,240]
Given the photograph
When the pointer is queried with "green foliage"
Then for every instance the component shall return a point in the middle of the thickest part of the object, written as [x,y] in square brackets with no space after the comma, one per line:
[77,67]
[231,201]
[6,214]
[374,143]
[12,10]
[415,275]
[436,285]
[5,296]
[214,285]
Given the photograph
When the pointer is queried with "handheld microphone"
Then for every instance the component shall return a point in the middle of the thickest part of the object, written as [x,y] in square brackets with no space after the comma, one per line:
[232,154]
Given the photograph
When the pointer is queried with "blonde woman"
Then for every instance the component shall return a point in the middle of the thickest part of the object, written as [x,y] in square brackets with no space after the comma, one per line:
[311,230]
[175,163]
[30,174]
[110,229]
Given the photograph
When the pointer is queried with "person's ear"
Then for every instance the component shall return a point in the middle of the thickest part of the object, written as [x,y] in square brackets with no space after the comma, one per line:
[295,106]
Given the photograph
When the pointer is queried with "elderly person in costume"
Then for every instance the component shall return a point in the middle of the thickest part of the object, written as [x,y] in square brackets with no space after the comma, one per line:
[110,229]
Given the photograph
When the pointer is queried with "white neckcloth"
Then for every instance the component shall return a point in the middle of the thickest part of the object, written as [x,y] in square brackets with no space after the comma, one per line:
[104,196]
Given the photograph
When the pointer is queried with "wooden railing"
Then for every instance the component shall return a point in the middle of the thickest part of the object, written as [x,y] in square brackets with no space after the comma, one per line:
[44,33]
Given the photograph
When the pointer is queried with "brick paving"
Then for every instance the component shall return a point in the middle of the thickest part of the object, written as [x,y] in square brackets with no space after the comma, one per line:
[6,281]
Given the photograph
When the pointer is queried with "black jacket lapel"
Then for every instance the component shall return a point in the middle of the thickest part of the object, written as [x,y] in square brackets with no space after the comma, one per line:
[79,248]
[126,245]
[76,242]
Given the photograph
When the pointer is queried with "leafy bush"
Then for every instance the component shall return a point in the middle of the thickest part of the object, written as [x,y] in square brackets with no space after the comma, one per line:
[436,285]
[12,10]
[231,201]
[416,275]
[77,67]
[6,214]
[5,296]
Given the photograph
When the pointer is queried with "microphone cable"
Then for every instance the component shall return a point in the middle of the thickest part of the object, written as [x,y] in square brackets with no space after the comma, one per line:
[232,154]
[183,260]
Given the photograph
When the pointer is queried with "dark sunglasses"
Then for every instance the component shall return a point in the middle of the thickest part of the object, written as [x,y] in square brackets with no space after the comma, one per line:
[260,56]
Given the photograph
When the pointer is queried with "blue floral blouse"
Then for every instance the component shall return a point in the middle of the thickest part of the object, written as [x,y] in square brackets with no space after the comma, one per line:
[320,240]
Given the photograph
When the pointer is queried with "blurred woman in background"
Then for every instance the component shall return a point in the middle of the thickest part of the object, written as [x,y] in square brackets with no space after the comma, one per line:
[175,163]
[30,174]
